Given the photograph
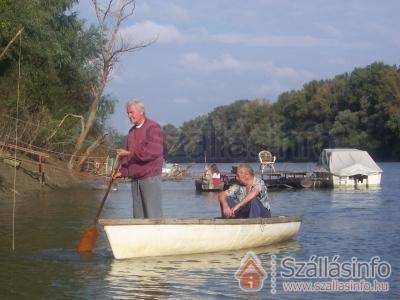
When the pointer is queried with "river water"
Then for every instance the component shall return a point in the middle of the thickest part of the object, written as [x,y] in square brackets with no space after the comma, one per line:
[44,265]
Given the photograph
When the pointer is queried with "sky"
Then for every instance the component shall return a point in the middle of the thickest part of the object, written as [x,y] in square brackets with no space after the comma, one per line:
[210,53]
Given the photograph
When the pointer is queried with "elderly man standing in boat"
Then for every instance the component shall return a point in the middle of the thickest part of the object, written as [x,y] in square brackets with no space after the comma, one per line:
[249,200]
[142,161]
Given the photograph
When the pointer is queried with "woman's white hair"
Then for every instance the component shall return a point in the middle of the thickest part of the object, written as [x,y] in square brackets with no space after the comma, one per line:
[136,103]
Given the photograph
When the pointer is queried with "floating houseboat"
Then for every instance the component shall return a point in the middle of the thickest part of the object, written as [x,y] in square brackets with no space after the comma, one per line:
[348,168]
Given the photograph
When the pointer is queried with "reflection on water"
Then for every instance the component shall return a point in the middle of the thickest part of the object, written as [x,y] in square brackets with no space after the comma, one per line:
[214,272]
[44,265]
[357,199]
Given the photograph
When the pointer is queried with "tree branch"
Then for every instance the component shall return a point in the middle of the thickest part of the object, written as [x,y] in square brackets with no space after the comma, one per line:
[90,149]
[12,41]
[62,121]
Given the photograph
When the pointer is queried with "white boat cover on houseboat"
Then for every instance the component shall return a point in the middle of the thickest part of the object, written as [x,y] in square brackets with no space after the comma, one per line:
[347,162]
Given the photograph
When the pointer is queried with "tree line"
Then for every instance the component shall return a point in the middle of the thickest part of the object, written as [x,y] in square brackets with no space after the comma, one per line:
[360,110]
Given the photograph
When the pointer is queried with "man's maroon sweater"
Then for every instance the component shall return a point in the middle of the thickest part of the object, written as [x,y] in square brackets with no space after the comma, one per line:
[146,147]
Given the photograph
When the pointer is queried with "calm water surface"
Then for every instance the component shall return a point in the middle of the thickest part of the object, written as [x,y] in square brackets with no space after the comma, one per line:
[44,265]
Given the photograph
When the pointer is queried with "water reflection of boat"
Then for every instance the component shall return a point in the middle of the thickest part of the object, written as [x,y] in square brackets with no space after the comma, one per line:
[206,275]
[158,237]
[201,261]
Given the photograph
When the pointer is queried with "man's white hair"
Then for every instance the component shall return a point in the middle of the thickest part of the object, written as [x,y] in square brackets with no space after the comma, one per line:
[246,167]
[136,103]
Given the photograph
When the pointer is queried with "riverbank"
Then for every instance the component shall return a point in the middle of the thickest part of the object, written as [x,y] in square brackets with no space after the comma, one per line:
[28,178]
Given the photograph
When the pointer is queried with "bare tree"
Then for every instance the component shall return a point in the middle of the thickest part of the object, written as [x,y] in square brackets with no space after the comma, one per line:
[110,14]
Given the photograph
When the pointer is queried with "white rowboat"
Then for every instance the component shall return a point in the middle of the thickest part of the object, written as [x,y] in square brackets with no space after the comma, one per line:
[130,238]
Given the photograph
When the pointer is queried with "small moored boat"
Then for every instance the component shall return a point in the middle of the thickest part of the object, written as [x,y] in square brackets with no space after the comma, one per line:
[202,185]
[158,237]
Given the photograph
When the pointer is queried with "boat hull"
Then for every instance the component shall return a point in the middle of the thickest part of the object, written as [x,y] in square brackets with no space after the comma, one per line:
[159,237]
[202,187]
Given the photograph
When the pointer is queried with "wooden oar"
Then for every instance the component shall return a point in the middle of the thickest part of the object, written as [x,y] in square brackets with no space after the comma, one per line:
[90,234]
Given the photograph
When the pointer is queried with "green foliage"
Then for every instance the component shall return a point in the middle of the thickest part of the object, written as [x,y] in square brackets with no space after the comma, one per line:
[394,124]
[171,140]
[358,110]
[57,65]
[346,130]
[106,108]
[115,139]
[56,49]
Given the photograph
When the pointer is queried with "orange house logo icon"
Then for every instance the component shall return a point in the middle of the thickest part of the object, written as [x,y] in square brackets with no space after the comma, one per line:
[251,274]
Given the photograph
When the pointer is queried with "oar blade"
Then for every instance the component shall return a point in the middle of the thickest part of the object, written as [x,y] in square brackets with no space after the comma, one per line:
[89,236]
[88,239]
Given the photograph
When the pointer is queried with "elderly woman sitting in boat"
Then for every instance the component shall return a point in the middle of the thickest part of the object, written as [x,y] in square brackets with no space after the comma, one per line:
[249,200]
[216,175]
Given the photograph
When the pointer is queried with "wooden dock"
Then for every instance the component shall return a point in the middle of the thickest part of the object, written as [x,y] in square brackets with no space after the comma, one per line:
[287,179]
